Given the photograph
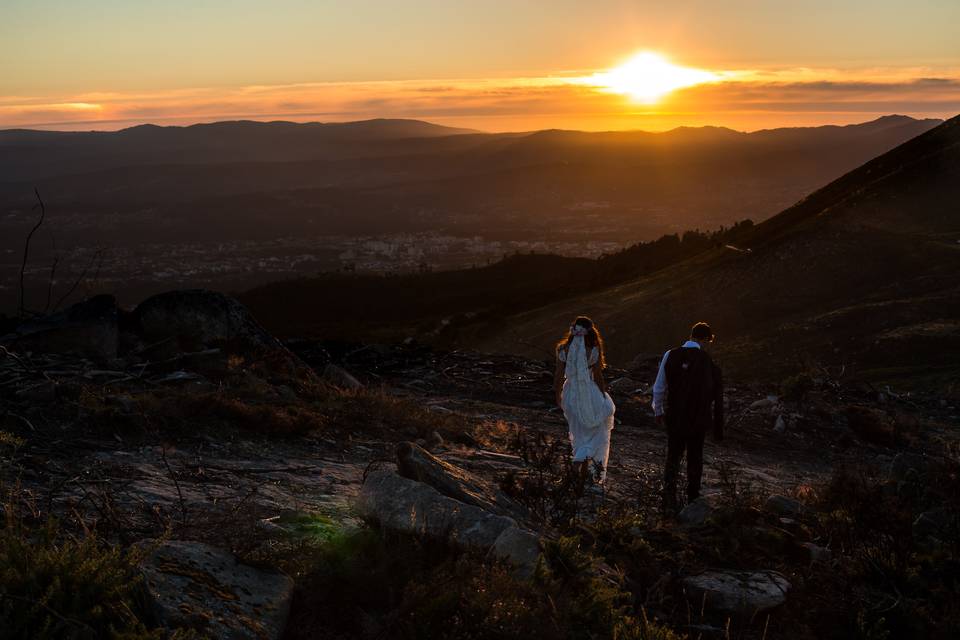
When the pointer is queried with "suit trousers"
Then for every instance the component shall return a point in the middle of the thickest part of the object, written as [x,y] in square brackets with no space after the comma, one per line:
[682,441]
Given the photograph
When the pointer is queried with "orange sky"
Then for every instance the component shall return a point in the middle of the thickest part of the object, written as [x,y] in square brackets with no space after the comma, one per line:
[496,66]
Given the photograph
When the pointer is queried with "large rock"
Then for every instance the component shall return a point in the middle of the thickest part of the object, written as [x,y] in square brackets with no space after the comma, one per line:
[416,463]
[198,586]
[414,508]
[519,547]
[197,318]
[88,329]
[738,592]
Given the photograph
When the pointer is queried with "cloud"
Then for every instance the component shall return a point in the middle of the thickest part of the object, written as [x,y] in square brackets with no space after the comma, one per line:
[742,99]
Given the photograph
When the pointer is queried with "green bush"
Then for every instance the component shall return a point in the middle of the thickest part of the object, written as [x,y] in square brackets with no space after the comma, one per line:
[370,584]
[55,586]
[904,583]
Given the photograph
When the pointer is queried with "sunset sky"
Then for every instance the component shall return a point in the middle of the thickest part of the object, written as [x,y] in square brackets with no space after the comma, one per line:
[492,65]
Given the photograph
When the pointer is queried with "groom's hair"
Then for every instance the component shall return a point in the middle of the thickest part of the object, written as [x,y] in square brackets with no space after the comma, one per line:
[701,331]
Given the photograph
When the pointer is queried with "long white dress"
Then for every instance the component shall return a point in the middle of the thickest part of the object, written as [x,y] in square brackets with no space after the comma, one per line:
[588,410]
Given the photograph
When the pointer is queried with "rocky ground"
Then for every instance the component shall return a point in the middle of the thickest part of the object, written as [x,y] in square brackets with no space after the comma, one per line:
[183,421]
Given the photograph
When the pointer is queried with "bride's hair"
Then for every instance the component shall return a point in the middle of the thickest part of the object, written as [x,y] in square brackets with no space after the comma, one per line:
[591,339]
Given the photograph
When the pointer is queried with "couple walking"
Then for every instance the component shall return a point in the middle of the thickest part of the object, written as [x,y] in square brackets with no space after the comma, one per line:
[687,398]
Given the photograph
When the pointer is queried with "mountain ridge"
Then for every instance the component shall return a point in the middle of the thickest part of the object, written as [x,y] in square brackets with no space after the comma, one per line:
[883,233]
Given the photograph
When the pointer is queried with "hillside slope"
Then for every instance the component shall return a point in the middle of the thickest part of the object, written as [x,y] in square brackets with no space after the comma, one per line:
[862,272]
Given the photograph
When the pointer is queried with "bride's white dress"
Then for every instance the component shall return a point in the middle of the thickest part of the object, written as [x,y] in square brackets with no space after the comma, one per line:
[588,410]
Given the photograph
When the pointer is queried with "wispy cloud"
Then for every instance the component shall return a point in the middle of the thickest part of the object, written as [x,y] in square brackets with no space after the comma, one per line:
[745,99]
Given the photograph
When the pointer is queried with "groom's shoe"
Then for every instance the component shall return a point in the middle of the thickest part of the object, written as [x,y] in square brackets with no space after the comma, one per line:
[669,506]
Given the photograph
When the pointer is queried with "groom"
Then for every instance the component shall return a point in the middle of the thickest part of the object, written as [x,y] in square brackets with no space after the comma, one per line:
[688,396]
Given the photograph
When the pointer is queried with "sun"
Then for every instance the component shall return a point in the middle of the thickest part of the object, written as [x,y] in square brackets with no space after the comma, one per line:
[648,76]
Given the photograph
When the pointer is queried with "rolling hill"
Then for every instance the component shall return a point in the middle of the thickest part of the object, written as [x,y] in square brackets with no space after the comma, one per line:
[862,272]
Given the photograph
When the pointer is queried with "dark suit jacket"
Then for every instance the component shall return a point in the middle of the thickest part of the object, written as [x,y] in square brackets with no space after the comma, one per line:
[694,392]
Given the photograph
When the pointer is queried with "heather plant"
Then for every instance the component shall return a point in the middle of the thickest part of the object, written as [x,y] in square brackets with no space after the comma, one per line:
[376,584]
[901,578]
[55,585]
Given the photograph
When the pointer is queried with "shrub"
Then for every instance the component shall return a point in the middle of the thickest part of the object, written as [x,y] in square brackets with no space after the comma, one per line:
[903,584]
[55,586]
[379,585]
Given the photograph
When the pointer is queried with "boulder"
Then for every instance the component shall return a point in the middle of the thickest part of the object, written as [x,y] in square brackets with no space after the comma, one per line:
[197,318]
[416,463]
[738,592]
[88,329]
[695,513]
[519,547]
[412,507]
[201,587]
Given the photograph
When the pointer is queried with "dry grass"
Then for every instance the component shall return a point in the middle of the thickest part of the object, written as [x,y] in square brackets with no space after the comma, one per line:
[253,404]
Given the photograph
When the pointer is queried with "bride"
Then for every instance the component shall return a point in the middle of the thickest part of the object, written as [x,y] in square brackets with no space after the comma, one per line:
[581,393]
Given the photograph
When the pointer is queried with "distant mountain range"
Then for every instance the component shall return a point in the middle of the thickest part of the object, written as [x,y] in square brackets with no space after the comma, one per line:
[240,179]
[34,155]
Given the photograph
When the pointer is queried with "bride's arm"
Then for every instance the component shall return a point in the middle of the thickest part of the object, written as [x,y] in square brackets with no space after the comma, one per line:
[597,371]
[558,379]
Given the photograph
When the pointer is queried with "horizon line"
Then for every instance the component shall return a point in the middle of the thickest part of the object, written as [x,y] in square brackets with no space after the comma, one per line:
[269,119]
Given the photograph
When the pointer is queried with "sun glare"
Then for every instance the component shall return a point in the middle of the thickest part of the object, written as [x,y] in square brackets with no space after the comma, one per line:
[648,76]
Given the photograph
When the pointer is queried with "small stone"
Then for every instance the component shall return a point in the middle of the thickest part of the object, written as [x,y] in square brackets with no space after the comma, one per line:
[695,513]
[434,441]
[339,377]
[780,425]
[817,554]
[126,404]
[706,631]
